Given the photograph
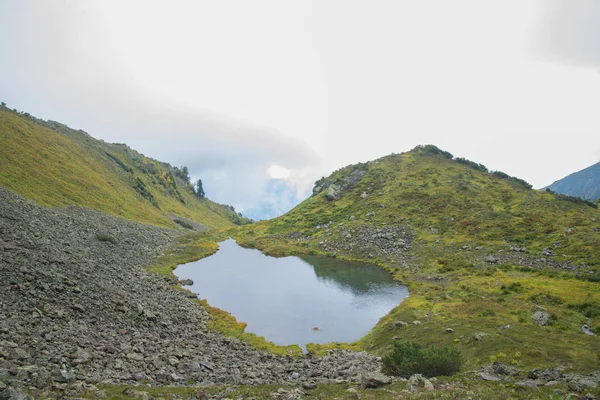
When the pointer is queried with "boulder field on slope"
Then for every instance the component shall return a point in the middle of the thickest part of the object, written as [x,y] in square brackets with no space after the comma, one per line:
[78,306]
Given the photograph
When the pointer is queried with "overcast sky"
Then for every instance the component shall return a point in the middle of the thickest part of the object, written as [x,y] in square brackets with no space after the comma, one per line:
[261,98]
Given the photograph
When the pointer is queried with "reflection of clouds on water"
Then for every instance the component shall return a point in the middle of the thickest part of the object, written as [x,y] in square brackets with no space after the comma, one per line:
[284,299]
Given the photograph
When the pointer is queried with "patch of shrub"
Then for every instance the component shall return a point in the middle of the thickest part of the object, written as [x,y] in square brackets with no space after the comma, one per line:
[546,298]
[431,149]
[119,162]
[472,164]
[103,237]
[407,359]
[590,309]
[141,188]
[183,223]
[589,277]
[513,287]
[488,313]
[520,181]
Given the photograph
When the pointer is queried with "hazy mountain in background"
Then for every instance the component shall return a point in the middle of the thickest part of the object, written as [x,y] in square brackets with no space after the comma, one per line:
[584,184]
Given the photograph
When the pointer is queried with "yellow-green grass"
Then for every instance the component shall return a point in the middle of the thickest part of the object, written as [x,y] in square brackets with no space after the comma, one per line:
[55,169]
[226,323]
[187,248]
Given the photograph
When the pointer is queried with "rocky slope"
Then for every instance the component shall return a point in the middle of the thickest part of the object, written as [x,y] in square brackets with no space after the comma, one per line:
[77,305]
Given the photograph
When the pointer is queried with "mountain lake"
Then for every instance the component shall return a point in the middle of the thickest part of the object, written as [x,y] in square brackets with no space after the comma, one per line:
[293,300]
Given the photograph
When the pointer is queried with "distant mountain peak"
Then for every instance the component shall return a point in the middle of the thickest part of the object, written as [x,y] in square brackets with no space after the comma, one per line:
[584,183]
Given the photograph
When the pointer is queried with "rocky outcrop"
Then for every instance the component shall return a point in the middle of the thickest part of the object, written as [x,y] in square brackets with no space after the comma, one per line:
[366,241]
[78,305]
[334,189]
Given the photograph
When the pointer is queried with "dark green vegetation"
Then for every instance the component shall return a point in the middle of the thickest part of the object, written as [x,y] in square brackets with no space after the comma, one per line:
[482,253]
[409,358]
[584,184]
[57,166]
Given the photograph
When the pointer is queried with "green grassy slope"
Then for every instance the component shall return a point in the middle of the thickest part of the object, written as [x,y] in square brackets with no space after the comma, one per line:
[57,166]
[464,262]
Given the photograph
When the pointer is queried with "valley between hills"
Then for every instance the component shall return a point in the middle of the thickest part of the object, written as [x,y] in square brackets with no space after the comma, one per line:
[90,233]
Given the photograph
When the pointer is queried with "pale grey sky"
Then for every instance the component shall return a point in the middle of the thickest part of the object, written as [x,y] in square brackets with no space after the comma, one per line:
[244,92]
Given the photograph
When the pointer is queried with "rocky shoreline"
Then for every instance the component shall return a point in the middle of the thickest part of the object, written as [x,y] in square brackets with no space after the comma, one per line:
[78,306]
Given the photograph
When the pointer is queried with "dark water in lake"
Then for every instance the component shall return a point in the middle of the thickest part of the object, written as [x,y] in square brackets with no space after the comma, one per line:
[284,299]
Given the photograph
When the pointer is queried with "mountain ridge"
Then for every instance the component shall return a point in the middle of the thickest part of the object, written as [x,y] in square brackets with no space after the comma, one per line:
[584,183]
[479,251]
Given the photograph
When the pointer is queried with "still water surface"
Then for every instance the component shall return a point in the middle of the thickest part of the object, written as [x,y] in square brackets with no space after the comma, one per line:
[284,299]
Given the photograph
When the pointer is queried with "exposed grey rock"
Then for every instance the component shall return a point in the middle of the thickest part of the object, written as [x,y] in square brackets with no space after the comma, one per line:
[309,385]
[480,336]
[489,377]
[540,318]
[93,314]
[547,252]
[400,324]
[333,192]
[580,384]
[497,368]
[491,259]
[374,380]
[526,384]
[342,184]
[418,382]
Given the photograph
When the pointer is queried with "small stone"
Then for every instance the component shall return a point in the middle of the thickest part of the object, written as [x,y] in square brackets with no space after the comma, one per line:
[309,385]
[540,318]
[491,260]
[418,382]
[135,357]
[78,307]
[373,380]
[449,330]
[526,384]
[489,377]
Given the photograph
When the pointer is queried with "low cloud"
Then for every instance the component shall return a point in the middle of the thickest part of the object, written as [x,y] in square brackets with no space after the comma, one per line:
[569,32]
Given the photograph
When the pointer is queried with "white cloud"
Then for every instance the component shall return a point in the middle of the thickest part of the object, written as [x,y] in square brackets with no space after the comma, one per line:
[244,92]
[278,172]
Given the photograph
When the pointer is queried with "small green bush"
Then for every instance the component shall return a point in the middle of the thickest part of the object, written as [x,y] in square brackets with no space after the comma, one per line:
[546,298]
[590,309]
[516,287]
[106,238]
[183,223]
[407,359]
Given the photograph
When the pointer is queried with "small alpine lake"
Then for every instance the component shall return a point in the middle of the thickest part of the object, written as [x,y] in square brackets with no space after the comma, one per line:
[293,300]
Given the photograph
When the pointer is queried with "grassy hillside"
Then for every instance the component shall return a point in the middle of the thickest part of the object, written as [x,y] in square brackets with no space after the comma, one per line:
[480,251]
[57,166]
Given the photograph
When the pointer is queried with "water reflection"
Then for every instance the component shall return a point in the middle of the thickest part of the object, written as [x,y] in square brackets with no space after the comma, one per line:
[283,299]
